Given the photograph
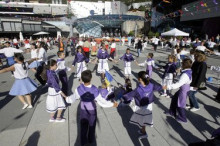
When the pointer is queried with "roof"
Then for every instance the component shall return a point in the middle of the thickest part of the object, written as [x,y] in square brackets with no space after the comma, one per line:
[115,21]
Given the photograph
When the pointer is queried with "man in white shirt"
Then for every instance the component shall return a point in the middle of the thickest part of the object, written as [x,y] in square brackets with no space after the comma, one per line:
[155,42]
[211,44]
[9,53]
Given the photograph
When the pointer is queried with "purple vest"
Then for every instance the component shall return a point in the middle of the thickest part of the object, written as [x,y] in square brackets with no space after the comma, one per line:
[80,58]
[52,80]
[87,96]
[169,68]
[127,57]
[103,92]
[149,67]
[102,54]
[182,93]
[143,95]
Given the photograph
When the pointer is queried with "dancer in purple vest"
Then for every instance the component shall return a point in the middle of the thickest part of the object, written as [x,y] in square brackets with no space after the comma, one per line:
[144,97]
[103,57]
[178,102]
[55,102]
[80,60]
[61,71]
[127,58]
[88,94]
[169,70]
[150,64]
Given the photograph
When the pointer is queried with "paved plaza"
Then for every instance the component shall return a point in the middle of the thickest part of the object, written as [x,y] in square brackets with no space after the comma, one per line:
[30,127]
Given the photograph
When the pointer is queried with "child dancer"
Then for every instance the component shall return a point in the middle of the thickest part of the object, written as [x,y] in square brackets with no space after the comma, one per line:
[127,58]
[88,94]
[103,57]
[167,78]
[81,61]
[61,71]
[150,64]
[23,85]
[178,102]
[54,102]
[143,96]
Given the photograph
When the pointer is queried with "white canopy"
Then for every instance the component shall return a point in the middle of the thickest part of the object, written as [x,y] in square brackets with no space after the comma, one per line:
[41,33]
[175,32]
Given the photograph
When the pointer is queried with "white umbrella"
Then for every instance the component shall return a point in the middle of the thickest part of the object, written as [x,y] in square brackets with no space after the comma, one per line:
[41,33]
[175,32]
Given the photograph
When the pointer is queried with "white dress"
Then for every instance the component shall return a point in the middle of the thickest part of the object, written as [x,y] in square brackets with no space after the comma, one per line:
[81,66]
[103,65]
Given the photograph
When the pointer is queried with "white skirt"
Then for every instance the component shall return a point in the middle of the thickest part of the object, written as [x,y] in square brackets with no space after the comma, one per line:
[127,70]
[80,68]
[168,80]
[142,116]
[103,66]
[54,101]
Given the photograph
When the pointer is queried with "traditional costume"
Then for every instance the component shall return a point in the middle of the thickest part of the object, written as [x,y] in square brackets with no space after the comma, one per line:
[88,112]
[103,57]
[178,101]
[144,97]
[150,64]
[81,61]
[61,71]
[54,100]
[127,58]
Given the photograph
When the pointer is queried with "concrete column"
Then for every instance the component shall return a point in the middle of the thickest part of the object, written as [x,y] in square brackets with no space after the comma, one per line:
[71,30]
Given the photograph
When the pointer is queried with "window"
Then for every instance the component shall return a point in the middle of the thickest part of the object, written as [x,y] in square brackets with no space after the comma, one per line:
[37,28]
[27,27]
[13,26]
[6,26]
[18,27]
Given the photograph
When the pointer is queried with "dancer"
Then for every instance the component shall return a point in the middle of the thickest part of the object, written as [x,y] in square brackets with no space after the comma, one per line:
[9,53]
[81,61]
[61,71]
[169,70]
[88,94]
[42,58]
[54,102]
[150,64]
[144,97]
[103,57]
[23,85]
[127,58]
[178,102]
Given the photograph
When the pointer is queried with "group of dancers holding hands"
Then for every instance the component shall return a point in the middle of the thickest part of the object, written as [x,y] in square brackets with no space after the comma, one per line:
[55,71]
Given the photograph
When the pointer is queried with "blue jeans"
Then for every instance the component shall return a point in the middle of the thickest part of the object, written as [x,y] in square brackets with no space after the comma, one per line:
[192,99]
[138,51]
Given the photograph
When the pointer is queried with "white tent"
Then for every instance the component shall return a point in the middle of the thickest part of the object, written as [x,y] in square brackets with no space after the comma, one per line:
[21,36]
[41,33]
[175,32]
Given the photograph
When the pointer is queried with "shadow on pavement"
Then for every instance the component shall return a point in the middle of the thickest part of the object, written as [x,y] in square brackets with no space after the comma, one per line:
[6,100]
[126,113]
[33,139]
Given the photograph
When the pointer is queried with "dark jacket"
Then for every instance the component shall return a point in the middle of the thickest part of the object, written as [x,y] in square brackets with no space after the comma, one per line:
[139,45]
[199,70]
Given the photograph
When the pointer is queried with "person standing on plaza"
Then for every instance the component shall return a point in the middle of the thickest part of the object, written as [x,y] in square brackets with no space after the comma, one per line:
[199,69]
[129,41]
[54,102]
[80,60]
[23,86]
[87,47]
[88,94]
[144,97]
[61,71]
[42,59]
[139,47]
[113,49]
[94,48]
[150,64]
[9,53]
[178,102]
[60,44]
[127,58]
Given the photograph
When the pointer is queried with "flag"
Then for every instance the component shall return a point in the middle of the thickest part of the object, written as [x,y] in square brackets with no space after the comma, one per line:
[108,78]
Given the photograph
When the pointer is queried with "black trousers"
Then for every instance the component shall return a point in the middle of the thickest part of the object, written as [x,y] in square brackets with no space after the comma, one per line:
[155,47]
[87,132]
[218,95]
[38,73]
